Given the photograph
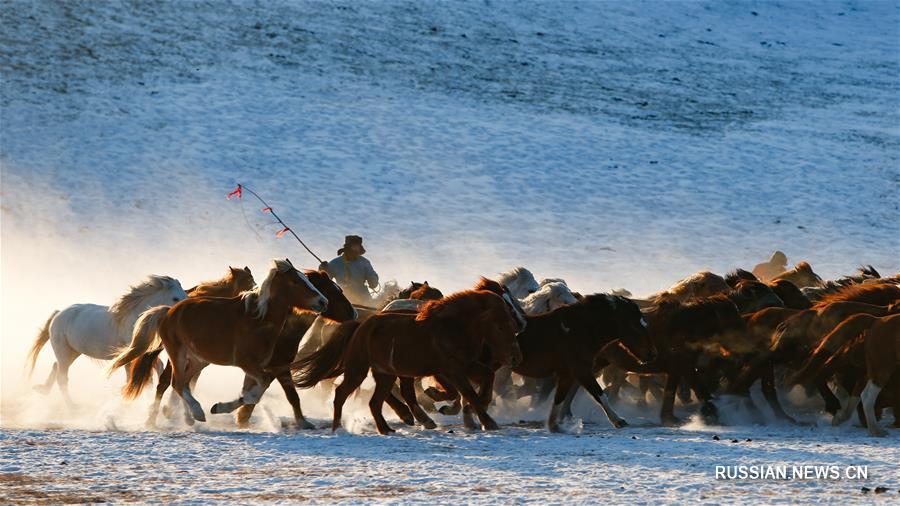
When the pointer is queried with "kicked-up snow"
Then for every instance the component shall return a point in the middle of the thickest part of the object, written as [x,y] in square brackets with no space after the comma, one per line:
[609,144]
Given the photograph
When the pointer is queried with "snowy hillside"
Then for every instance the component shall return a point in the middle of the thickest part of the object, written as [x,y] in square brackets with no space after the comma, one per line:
[614,144]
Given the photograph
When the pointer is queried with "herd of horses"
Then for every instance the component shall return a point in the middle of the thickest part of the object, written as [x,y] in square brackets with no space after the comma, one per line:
[506,338]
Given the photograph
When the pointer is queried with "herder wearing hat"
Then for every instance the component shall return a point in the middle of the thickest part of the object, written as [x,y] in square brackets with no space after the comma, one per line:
[352,271]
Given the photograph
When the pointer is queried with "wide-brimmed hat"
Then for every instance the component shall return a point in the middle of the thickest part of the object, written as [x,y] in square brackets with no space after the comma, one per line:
[352,240]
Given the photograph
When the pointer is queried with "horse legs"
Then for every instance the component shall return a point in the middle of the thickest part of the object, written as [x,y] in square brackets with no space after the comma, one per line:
[244,411]
[383,385]
[460,381]
[869,396]
[707,409]
[353,378]
[408,390]
[399,407]
[290,391]
[51,379]
[484,376]
[256,381]
[590,384]
[667,412]
[844,414]
[165,380]
[183,371]
[565,410]
[564,385]
[65,355]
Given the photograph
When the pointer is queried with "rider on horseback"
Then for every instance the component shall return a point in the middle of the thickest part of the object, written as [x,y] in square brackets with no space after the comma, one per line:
[352,271]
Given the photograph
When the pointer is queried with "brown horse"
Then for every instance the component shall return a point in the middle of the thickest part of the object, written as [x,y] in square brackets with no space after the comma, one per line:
[445,338]
[240,331]
[882,356]
[339,310]
[420,291]
[683,333]
[234,282]
[793,341]
[801,275]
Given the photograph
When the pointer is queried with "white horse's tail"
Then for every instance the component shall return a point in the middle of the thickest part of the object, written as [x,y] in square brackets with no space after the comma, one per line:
[144,339]
[39,343]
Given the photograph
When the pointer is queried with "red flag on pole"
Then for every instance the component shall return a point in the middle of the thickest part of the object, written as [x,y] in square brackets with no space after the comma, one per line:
[236,193]
[282,232]
[267,210]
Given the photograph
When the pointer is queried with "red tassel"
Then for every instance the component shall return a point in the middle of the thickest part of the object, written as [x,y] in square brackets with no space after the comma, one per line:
[236,193]
[267,210]
[282,232]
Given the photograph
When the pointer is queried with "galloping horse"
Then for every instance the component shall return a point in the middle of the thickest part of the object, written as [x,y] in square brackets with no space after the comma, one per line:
[98,331]
[231,285]
[520,282]
[240,331]
[445,338]
[339,310]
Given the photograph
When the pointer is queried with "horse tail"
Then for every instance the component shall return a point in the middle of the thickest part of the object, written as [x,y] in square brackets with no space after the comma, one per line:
[42,338]
[144,337]
[327,361]
[829,347]
[139,373]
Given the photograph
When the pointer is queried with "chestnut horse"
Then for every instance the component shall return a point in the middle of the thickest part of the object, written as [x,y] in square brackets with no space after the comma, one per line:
[882,358]
[240,331]
[339,310]
[231,285]
[445,338]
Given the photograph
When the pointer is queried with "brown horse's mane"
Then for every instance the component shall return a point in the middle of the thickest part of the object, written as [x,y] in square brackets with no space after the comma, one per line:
[216,286]
[125,304]
[440,307]
[489,285]
[854,292]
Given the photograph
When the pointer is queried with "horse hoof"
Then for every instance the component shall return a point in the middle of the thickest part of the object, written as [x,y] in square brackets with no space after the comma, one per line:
[305,425]
[217,408]
[408,421]
[877,432]
[429,424]
[385,431]
[554,428]
[491,426]
[620,424]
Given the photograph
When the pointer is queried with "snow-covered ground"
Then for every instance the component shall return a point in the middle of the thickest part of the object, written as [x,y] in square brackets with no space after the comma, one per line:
[611,144]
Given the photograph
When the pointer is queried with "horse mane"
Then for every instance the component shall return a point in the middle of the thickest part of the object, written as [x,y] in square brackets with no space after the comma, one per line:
[489,285]
[736,276]
[802,267]
[442,307]
[868,271]
[214,285]
[683,288]
[854,292]
[259,296]
[510,275]
[132,300]
[547,281]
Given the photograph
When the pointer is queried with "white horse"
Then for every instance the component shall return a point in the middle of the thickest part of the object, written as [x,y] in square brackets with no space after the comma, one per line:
[553,294]
[98,331]
[520,282]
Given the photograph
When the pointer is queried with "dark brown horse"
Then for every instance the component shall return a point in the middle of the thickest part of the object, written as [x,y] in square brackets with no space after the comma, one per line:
[339,310]
[788,292]
[880,294]
[683,333]
[420,291]
[446,338]
[240,331]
